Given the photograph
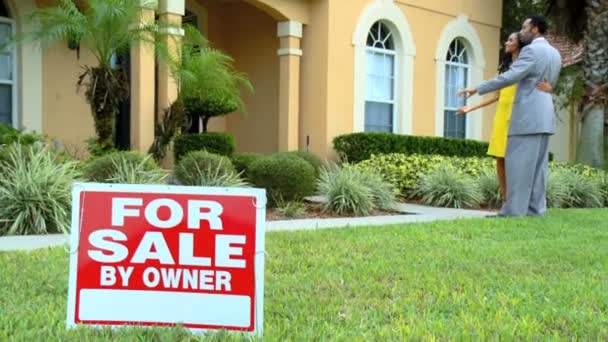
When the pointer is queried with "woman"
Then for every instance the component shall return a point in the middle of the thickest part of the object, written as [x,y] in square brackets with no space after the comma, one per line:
[505,98]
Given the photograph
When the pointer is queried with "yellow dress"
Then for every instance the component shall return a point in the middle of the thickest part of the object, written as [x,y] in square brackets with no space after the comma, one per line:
[498,142]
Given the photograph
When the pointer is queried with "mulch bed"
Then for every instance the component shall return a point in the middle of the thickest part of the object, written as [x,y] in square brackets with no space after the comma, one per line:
[315,211]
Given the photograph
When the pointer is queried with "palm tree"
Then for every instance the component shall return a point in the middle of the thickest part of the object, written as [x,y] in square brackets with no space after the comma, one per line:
[587,21]
[105,28]
[209,86]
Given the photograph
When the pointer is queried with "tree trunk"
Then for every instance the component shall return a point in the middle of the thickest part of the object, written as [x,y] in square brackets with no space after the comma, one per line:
[205,122]
[595,69]
[590,149]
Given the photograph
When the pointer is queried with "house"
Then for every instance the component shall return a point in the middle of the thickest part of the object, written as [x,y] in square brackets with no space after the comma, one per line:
[320,68]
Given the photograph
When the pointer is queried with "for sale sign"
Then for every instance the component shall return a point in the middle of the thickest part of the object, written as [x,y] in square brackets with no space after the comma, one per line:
[163,255]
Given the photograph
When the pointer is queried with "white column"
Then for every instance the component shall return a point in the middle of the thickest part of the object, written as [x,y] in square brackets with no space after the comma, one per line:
[290,35]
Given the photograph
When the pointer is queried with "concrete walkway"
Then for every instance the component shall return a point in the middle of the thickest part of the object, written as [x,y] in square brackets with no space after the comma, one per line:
[411,214]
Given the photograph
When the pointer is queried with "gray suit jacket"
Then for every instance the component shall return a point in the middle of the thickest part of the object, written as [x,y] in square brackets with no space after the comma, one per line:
[533,111]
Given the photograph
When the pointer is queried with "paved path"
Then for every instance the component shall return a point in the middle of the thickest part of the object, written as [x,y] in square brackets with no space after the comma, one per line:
[412,214]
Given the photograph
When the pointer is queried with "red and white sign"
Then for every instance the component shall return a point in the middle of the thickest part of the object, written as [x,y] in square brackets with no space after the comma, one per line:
[166,255]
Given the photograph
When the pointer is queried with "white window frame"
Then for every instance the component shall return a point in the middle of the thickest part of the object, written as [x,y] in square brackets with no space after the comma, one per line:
[460,28]
[394,17]
[14,81]
[394,77]
[467,67]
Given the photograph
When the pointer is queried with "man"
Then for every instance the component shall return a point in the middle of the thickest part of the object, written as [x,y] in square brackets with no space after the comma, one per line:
[532,121]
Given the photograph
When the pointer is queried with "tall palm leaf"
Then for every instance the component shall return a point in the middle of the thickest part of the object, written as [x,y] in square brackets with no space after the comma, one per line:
[208,83]
[105,28]
[587,21]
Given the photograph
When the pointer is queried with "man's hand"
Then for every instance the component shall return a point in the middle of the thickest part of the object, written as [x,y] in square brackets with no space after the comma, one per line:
[463,110]
[468,92]
[544,86]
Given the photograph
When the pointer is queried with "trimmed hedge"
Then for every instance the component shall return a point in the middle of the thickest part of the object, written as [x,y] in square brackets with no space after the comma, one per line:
[285,177]
[212,142]
[309,157]
[242,162]
[357,147]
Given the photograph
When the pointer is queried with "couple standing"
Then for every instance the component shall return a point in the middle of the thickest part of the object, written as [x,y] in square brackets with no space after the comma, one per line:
[525,118]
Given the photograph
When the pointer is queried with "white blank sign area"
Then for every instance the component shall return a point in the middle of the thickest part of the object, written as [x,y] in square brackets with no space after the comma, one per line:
[165,307]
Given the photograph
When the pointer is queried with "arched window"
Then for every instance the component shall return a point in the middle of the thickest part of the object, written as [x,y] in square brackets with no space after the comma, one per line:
[457,70]
[380,80]
[7,70]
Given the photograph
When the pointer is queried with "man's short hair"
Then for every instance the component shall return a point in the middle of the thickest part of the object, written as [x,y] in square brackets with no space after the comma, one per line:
[539,22]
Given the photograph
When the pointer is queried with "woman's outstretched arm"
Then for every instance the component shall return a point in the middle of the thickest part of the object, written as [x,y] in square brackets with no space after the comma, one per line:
[468,109]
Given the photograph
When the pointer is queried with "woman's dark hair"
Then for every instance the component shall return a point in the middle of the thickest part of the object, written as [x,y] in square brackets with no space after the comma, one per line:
[507,59]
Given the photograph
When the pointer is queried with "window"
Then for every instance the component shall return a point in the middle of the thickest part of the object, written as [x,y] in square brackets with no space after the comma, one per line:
[380,80]
[7,70]
[456,77]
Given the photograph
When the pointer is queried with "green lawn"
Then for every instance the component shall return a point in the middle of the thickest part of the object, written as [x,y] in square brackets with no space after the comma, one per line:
[481,279]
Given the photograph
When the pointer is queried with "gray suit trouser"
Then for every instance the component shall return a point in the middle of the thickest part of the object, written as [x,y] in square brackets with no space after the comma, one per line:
[526,167]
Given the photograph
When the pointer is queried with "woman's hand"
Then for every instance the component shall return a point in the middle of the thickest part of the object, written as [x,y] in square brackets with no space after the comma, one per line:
[464,110]
[544,86]
[468,92]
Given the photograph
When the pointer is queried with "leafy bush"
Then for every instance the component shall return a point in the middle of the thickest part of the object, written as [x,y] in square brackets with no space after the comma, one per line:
[583,186]
[127,172]
[404,171]
[212,142]
[284,176]
[490,188]
[118,166]
[446,187]
[201,168]
[309,157]
[242,162]
[10,135]
[35,192]
[557,188]
[291,209]
[349,190]
[97,149]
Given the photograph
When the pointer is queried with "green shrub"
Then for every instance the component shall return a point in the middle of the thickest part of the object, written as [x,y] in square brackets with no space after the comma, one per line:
[10,135]
[490,188]
[213,142]
[201,168]
[291,209]
[105,169]
[357,147]
[242,162]
[446,187]
[35,192]
[349,190]
[97,149]
[404,171]
[287,177]
[557,188]
[345,192]
[127,172]
[309,157]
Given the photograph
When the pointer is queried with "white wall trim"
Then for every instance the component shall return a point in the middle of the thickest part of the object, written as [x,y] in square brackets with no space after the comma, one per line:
[460,27]
[289,52]
[177,7]
[289,29]
[395,18]
[28,78]
[175,31]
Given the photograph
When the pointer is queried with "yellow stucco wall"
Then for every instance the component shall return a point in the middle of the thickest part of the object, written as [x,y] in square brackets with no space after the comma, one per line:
[66,115]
